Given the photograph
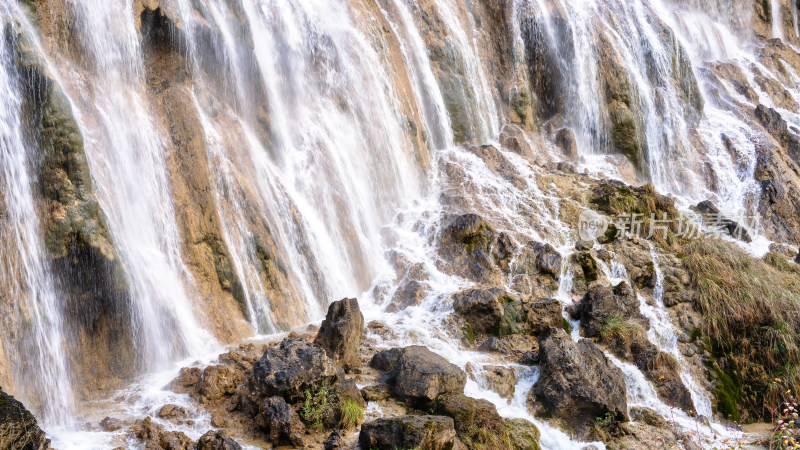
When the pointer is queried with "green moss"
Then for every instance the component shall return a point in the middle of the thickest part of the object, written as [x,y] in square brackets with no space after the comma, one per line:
[566,326]
[320,409]
[589,266]
[72,216]
[728,393]
[610,235]
[469,333]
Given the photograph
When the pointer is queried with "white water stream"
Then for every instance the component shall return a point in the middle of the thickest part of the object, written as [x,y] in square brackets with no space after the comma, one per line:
[308,135]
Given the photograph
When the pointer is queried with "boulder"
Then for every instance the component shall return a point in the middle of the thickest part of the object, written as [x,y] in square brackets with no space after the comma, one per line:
[542,314]
[18,427]
[612,316]
[522,434]
[280,422]
[154,436]
[409,293]
[501,379]
[565,140]
[417,432]
[219,381]
[477,420]
[340,333]
[716,218]
[507,345]
[187,381]
[602,302]
[578,383]
[334,441]
[171,412]
[417,375]
[110,424]
[466,247]
[482,308]
[289,369]
[771,120]
[217,440]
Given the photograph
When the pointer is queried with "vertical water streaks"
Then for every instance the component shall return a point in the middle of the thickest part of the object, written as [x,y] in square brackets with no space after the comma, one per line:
[125,151]
[39,365]
[776,20]
[329,158]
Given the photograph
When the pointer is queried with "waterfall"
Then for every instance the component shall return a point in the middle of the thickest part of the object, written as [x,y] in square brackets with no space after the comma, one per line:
[42,372]
[776,20]
[326,135]
[125,150]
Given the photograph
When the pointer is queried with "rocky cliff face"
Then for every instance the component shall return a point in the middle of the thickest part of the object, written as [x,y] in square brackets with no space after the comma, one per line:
[274,208]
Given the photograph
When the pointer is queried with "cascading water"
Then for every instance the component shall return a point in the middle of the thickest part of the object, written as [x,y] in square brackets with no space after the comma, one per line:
[325,153]
[125,150]
[42,374]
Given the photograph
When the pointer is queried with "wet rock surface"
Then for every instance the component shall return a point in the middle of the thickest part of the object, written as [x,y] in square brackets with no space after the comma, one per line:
[291,368]
[340,332]
[18,428]
[417,375]
[420,432]
[578,383]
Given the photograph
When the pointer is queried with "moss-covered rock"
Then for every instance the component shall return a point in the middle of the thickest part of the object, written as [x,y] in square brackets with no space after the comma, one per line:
[72,215]
[18,427]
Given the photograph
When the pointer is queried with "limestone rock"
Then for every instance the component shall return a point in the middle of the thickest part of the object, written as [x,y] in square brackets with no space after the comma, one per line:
[219,381]
[483,309]
[110,424]
[501,379]
[340,333]
[154,436]
[565,140]
[523,434]
[466,245]
[733,228]
[417,375]
[217,440]
[578,383]
[602,302]
[478,420]
[18,427]
[418,432]
[289,369]
[280,422]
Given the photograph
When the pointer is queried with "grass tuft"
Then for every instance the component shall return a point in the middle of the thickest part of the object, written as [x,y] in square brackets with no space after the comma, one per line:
[751,313]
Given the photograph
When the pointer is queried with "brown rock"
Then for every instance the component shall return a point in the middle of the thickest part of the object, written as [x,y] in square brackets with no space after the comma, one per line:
[341,331]
[418,432]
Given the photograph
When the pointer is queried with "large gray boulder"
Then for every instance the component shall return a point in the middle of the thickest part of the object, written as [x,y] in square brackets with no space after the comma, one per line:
[18,427]
[482,308]
[417,432]
[417,375]
[290,369]
[602,302]
[578,383]
[340,333]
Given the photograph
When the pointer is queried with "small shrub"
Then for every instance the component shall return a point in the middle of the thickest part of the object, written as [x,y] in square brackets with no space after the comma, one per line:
[352,414]
[605,427]
[619,328]
[787,430]
[320,409]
